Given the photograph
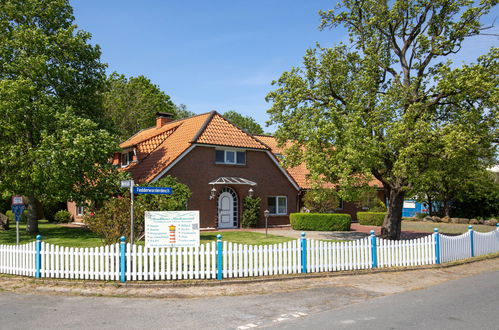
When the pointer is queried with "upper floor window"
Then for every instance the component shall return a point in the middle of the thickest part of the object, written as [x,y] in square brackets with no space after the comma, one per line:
[230,157]
[126,158]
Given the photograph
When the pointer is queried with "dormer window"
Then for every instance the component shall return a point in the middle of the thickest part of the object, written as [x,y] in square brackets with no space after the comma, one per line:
[126,158]
[227,156]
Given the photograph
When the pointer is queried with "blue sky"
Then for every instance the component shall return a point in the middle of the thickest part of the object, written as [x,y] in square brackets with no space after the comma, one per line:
[215,55]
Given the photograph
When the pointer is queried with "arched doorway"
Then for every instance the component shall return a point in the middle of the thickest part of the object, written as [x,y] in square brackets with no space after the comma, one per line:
[227,209]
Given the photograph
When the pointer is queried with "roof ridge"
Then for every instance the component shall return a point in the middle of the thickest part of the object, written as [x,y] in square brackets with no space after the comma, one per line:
[244,131]
[203,127]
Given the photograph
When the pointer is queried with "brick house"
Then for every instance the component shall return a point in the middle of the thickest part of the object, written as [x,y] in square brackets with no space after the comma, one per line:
[221,164]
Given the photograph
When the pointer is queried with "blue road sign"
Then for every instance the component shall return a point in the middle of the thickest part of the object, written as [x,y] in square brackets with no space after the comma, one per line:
[18,211]
[153,190]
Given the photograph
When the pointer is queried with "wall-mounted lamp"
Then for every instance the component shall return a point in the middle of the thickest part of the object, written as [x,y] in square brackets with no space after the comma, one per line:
[250,192]
[213,192]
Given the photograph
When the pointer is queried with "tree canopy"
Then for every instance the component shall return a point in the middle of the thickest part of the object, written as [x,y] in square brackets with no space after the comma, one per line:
[52,144]
[247,123]
[131,103]
[389,103]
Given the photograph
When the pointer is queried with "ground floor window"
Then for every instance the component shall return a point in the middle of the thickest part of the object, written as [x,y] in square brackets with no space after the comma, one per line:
[80,210]
[277,205]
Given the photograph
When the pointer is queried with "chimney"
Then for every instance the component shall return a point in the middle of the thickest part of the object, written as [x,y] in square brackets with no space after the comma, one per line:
[162,118]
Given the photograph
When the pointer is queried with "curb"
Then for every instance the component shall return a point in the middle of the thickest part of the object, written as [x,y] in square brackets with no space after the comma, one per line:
[238,281]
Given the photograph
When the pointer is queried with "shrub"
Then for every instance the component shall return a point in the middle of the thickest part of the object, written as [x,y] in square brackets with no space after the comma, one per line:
[112,220]
[62,216]
[320,221]
[251,211]
[420,215]
[371,218]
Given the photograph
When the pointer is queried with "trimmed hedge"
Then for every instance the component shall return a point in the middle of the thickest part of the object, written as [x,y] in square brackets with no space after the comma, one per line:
[371,218]
[320,221]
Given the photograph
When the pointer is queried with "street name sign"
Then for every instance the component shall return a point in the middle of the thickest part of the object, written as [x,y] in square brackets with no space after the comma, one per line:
[172,228]
[153,190]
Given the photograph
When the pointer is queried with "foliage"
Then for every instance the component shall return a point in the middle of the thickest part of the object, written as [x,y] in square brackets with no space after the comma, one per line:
[246,123]
[371,218]
[369,200]
[52,142]
[62,216]
[251,211]
[131,103]
[112,220]
[321,200]
[387,101]
[421,215]
[320,221]
[50,208]
[181,112]
[477,198]
[177,201]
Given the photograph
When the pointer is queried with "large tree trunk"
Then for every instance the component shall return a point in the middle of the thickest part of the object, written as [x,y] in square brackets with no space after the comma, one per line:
[393,219]
[446,207]
[32,221]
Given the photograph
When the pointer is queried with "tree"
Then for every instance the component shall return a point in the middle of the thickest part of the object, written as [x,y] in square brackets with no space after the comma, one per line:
[321,200]
[52,145]
[131,103]
[384,104]
[244,122]
[181,112]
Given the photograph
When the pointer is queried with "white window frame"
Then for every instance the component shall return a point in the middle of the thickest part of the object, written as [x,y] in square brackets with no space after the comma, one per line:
[235,151]
[78,208]
[128,160]
[277,204]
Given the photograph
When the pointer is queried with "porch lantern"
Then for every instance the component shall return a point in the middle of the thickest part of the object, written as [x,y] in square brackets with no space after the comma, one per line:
[250,192]
[213,192]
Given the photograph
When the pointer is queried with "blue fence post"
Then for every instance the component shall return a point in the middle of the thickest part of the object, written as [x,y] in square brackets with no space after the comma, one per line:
[472,243]
[219,259]
[122,259]
[303,253]
[437,246]
[373,250]
[38,256]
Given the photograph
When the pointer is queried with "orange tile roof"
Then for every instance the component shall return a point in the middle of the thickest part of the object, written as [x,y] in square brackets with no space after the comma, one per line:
[222,132]
[157,148]
[299,173]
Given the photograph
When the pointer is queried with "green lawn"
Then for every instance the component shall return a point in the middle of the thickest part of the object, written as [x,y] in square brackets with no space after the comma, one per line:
[80,237]
[449,228]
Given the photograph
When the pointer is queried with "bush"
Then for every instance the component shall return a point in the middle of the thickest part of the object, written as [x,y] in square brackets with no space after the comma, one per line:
[62,216]
[371,218]
[251,211]
[420,215]
[320,221]
[321,200]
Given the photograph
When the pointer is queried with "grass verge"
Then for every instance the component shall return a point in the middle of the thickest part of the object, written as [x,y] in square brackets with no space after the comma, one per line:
[449,228]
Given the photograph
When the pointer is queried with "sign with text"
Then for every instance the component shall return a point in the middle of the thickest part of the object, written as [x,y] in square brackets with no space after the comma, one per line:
[172,228]
[153,190]
[17,200]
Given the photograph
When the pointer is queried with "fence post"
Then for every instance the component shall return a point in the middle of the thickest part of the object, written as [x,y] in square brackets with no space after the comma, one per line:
[373,250]
[437,246]
[219,257]
[38,256]
[303,253]
[122,259]
[470,228]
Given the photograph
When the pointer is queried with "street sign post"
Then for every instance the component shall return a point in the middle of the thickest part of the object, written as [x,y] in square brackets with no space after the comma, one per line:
[17,209]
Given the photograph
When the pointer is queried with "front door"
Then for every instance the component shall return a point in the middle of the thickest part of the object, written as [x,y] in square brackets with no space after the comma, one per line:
[226,210]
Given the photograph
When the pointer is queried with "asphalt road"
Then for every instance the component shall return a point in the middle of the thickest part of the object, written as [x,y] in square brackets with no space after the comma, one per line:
[469,303]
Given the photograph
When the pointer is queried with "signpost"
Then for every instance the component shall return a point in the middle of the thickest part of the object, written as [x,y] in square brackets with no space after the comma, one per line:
[17,209]
[141,190]
[172,228]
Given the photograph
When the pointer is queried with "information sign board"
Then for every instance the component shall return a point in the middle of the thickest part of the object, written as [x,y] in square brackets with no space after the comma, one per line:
[172,228]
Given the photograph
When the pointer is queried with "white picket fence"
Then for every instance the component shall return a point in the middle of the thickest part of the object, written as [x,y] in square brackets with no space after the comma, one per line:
[238,260]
